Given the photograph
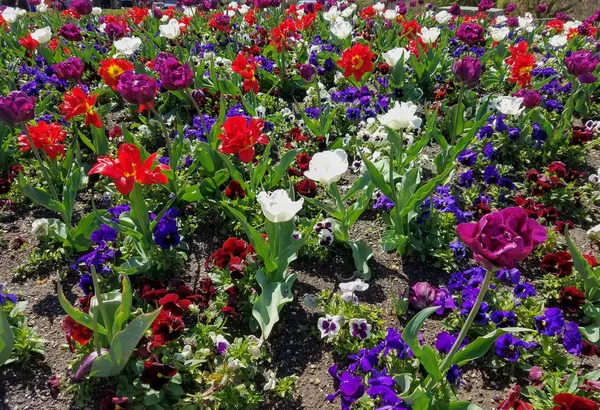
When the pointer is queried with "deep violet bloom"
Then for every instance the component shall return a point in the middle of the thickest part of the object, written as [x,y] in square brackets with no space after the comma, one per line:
[351,387]
[104,234]
[455,9]
[524,290]
[137,88]
[471,33]
[467,158]
[70,69]
[86,284]
[16,108]
[467,71]
[572,340]
[531,98]
[421,295]
[551,322]
[445,341]
[504,318]
[582,64]
[509,276]
[507,347]
[173,74]
[70,32]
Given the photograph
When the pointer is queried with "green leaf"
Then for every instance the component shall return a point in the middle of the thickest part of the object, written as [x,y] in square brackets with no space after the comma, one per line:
[377,178]
[430,362]
[6,337]
[79,237]
[280,169]
[481,345]
[77,315]
[40,196]
[122,346]
[139,210]
[591,280]
[122,314]
[456,405]
[133,265]
[289,253]
[410,335]
[272,298]
[361,253]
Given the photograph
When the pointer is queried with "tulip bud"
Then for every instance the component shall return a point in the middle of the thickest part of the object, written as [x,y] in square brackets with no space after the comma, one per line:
[421,295]
[307,72]
[157,13]
[467,71]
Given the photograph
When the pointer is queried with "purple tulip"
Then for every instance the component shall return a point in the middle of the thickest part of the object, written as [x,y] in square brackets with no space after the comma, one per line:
[307,72]
[114,31]
[512,22]
[503,238]
[471,33]
[83,7]
[485,5]
[173,74]
[582,64]
[70,69]
[86,365]
[531,98]
[157,13]
[16,108]
[70,32]
[467,71]
[541,8]
[455,10]
[137,88]
[421,295]
[510,8]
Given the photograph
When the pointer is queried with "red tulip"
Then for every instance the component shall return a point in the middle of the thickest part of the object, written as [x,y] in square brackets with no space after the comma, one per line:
[77,103]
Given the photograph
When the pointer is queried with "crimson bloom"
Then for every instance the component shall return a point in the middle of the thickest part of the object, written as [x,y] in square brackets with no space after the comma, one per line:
[240,135]
[29,42]
[77,103]
[571,298]
[513,402]
[567,401]
[559,263]
[47,137]
[245,66]
[128,168]
[356,61]
[166,327]
[74,332]
[157,374]
[502,238]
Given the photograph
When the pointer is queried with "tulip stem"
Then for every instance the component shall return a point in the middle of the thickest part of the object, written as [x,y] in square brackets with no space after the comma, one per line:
[456,115]
[195,104]
[463,332]
[341,207]
[163,126]
[103,311]
[36,153]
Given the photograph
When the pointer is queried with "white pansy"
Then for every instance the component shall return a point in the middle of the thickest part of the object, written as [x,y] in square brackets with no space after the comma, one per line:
[510,105]
[390,14]
[235,364]
[277,206]
[349,288]
[10,15]
[96,11]
[332,14]
[393,56]
[499,34]
[558,41]
[429,35]
[127,45]
[401,117]
[327,166]
[39,227]
[329,326]
[443,17]
[171,30]
[42,35]
[254,344]
[348,11]
[271,380]
[341,29]
[360,328]
[595,178]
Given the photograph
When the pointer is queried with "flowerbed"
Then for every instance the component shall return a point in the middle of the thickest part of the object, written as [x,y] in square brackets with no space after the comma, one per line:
[273,134]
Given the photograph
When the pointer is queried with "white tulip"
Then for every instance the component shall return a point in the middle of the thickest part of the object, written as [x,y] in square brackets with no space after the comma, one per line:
[499,34]
[393,56]
[594,233]
[558,41]
[379,7]
[42,35]
[429,35]
[171,30]
[96,11]
[526,22]
[348,11]
[39,227]
[41,8]
[191,11]
[402,116]
[501,19]
[327,166]
[243,9]
[332,14]
[127,45]
[510,105]
[443,17]
[278,206]
[341,29]
[390,14]
[10,15]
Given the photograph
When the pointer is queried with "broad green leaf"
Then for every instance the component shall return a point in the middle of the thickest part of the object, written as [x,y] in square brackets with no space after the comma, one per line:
[40,196]
[478,347]
[79,237]
[430,362]
[410,335]
[361,253]
[280,169]
[122,314]
[377,178]
[139,210]
[77,315]
[591,280]
[6,337]
[272,298]
[122,346]
[133,265]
